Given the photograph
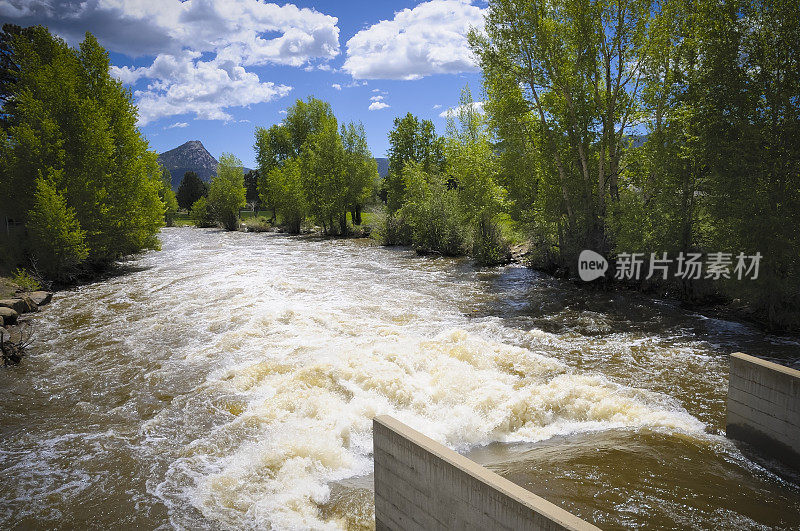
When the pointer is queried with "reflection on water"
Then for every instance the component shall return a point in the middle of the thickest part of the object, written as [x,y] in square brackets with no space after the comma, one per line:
[230,380]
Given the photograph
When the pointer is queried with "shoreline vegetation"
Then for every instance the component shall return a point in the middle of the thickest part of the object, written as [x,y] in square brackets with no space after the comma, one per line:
[630,127]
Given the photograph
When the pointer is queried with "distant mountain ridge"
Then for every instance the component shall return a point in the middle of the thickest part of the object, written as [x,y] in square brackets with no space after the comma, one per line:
[383,166]
[193,156]
[190,156]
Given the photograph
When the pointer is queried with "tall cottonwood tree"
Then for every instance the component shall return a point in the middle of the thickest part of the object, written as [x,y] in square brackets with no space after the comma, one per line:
[577,65]
[361,169]
[227,193]
[411,140]
[66,121]
[309,169]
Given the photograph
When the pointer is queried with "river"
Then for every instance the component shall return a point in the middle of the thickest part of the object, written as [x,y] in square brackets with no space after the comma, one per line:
[229,381]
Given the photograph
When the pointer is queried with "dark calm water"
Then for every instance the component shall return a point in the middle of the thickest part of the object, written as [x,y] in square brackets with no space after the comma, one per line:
[229,381]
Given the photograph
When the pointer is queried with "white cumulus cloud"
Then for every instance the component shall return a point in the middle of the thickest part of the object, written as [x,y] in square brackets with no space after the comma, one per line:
[183,84]
[177,125]
[477,106]
[428,39]
[377,105]
[337,86]
[202,48]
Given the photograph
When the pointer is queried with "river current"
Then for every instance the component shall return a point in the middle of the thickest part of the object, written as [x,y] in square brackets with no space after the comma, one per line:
[229,380]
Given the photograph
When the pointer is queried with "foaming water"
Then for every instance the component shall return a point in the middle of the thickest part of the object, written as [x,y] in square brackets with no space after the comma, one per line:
[230,381]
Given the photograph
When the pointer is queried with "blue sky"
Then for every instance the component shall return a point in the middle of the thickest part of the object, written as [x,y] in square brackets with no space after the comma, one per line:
[214,71]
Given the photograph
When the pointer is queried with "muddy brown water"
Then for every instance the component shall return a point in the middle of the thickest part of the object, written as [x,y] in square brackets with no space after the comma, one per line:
[229,381]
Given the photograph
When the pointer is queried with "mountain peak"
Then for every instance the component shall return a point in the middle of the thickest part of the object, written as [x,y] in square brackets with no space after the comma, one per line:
[189,156]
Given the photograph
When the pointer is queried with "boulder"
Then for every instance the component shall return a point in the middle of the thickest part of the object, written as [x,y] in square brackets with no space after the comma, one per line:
[4,335]
[41,297]
[18,305]
[30,305]
[9,315]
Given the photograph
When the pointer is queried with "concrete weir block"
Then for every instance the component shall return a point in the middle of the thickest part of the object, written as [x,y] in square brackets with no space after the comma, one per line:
[423,485]
[764,408]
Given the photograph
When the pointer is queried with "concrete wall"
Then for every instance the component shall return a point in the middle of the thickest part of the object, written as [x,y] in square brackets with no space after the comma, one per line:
[764,407]
[420,484]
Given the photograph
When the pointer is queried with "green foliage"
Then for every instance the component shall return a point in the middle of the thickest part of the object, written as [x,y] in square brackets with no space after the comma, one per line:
[580,66]
[430,214]
[323,173]
[226,194]
[58,242]
[190,190]
[201,214]
[67,119]
[411,140]
[251,188]
[291,201]
[715,84]
[168,198]
[360,168]
[25,281]
[307,168]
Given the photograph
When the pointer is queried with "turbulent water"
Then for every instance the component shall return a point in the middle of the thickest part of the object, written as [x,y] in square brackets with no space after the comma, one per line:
[229,381]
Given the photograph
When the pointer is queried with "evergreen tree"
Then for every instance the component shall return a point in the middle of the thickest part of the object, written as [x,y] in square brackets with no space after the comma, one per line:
[251,189]
[190,190]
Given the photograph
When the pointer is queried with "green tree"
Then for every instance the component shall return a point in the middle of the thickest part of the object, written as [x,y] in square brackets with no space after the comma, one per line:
[58,242]
[66,117]
[746,119]
[190,190]
[273,146]
[411,140]
[201,214]
[291,201]
[226,195]
[581,66]
[361,170]
[168,198]
[472,169]
[323,169]
[282,142]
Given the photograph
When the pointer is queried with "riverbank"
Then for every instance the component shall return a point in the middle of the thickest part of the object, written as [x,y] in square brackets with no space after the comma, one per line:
[15,304]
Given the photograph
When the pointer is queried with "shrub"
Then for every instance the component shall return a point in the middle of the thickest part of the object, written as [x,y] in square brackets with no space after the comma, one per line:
[25,280]
[431,213]
[201,214]
[393,230]
[489,247]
